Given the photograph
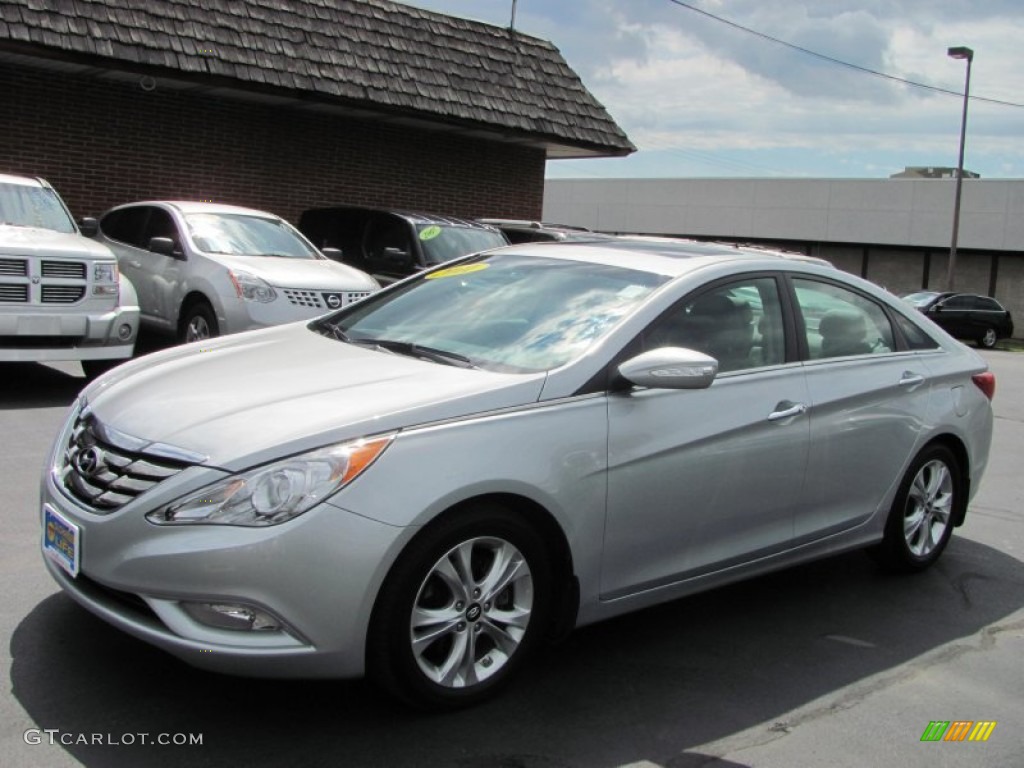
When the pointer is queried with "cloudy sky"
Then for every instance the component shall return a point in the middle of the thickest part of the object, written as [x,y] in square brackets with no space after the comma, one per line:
[703,98]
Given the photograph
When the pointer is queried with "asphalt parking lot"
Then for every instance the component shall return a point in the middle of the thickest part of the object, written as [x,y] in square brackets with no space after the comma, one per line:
[834,663]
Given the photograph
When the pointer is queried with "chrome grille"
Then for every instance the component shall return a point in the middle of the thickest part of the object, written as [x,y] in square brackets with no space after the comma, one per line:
[323,299]
[70,269]
[303,298]
[106,476]
[14,267]
[16,292]
[62,294]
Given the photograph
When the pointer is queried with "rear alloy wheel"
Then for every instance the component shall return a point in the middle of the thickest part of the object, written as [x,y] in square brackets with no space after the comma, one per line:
[988,339]
[198,323]
[921,519]
[462,609]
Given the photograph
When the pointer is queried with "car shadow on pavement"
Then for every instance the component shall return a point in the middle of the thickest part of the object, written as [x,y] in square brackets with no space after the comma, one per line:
[38,385]
[34,385]
[653,686]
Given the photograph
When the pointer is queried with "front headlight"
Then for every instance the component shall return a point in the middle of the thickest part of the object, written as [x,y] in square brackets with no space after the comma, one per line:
[251,288]
[104,277]
[276,492]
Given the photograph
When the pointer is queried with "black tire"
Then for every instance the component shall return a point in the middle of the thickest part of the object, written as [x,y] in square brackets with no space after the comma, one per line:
[461,635]
[988,339]
[96,368]
[198,322]
[923,513]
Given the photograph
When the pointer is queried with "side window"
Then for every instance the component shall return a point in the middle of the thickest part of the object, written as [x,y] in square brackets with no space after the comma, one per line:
[915,337]
[839,322]
[124,225]
[958,302]
[739,324]
[160,224]
[989,305]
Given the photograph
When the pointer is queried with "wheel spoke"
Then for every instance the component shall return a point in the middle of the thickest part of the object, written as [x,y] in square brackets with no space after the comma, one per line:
[448,572]
[429,625]
[507,565]
[447,673]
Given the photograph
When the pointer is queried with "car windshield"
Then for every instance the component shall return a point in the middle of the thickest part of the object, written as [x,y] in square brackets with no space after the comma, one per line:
[498,311]
[443,243]
[26,205]
[240,234]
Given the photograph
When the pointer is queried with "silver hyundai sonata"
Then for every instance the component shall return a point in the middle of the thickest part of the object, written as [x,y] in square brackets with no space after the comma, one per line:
[425,485]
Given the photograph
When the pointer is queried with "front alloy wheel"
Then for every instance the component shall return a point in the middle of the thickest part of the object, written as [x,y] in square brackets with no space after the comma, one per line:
[471,612]
[199,323]
[463,607]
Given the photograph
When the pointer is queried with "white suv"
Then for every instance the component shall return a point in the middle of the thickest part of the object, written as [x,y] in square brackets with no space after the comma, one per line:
[61,295]
[204,269]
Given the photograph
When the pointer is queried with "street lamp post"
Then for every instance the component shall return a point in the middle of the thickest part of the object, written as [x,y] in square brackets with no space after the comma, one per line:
[959,52]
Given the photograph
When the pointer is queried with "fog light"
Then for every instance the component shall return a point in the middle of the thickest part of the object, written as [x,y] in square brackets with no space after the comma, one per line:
[232,616]
[124,332]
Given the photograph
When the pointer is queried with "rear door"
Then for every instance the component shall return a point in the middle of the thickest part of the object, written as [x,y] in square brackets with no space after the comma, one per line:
[868,405]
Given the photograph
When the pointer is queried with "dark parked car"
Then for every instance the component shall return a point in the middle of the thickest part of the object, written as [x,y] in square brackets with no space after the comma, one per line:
[966,315]
[391,244]
[523,231]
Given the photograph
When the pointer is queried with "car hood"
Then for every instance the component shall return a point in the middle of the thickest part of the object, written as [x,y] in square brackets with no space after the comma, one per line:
[34,241]
[282,272]
[248,398]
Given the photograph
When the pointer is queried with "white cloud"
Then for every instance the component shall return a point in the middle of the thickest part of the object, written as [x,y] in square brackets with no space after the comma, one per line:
[694,93]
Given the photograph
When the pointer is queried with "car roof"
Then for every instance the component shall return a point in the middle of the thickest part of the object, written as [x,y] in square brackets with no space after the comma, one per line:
[417,218]
[27,181]
[193,206]
[672,258]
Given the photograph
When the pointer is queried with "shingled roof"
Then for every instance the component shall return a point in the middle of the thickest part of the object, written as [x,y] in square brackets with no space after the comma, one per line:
[375,55]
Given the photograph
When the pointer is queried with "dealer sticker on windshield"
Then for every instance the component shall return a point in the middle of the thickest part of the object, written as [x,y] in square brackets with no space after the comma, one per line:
[61,540]
[462,269]
[429,233]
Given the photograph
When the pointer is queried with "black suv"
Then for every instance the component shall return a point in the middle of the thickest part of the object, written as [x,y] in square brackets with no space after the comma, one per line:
[965,315]
[393,244]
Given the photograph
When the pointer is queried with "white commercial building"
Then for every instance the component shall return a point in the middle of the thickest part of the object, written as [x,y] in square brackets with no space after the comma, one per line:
[895,232]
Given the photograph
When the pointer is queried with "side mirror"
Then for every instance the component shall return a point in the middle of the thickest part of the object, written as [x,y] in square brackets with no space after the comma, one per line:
[670,368]
[88,226]
[334,254]
[398,258]
[164,246]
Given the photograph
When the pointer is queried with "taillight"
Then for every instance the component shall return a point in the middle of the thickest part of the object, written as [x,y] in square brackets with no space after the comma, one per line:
[986,382]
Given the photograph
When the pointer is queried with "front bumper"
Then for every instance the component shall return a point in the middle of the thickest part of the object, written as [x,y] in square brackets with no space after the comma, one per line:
[318,574]
[43,335]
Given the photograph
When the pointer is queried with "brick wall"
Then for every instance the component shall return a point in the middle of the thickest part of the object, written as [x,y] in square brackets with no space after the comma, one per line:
[101,143]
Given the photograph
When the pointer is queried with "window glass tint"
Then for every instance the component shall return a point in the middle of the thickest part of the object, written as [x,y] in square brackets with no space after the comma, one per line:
[125,225]
[30,206]
[915,337]
[738,324]
[839,322]
[388,232]
[503,312]
[959,302]
[160,224]
[990,305]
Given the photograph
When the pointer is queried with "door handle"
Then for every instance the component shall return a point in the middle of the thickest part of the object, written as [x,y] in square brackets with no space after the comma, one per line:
[911,379]
[786,410]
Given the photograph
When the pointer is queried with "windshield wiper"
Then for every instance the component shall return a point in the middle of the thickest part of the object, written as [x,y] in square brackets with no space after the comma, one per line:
[334,330]
[419,351]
